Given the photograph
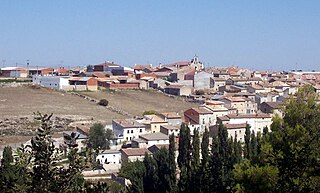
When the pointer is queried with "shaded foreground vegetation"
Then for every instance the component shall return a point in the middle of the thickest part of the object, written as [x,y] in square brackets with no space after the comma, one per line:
[284,160]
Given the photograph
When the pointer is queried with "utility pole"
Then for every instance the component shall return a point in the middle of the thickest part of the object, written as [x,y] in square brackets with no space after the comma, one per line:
[15,72]
[27,68]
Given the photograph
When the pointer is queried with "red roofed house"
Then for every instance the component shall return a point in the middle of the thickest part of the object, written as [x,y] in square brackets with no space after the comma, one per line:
[199,118]
[106,66]
[13,72]
[133,154]
[256,121]
[84,83]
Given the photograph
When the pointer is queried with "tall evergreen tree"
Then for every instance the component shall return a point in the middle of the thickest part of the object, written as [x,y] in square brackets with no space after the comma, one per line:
[247,145]
[164,170]
[172,164]
[214,181]
[254,145]
[205,148]
[195,149]
[195,174]
[184,156]
[150,179]
[205,172]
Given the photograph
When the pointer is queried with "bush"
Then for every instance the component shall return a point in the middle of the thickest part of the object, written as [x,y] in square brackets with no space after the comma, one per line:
[103,102]
[151,112]
[199,92]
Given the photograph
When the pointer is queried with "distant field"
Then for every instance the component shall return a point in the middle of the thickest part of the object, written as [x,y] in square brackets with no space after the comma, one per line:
[136,101]
[24,100]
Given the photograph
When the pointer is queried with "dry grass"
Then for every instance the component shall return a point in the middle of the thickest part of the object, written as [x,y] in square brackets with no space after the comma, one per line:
[136,101]
[23,101]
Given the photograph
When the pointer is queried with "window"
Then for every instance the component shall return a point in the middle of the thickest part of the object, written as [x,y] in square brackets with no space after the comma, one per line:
[202,121]
[209,119]
[131,131]
[140,130]
[128,131]
[103,156]
[114,155]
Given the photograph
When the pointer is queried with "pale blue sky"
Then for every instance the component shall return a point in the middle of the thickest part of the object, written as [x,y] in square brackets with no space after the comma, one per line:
[256,34]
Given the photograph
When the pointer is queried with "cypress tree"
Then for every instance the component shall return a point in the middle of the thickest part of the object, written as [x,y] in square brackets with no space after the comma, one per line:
[254,145]
[205,148]
[205,172]
[215,168]
[182,146]
[172,164]
[195,149]
[195,185]
[184,156]
[150,180]
[247,146]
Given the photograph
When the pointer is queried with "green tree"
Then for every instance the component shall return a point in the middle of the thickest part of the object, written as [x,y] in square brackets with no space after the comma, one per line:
[215,183]
[195,173]
[205,172]
[247,145]
[7,157]
[184,147]
[295,143]
[172,164]
[150,179]
[253,146]
[255,179]
[135,172]
[98,137]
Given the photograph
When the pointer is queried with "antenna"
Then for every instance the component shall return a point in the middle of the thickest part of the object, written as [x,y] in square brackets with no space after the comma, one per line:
[3,63]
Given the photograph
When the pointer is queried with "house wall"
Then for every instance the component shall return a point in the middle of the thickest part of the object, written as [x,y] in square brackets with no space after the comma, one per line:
[126,134]
[202,80]
[170,132]
[156,142]
[125,158]
[240,133]
[111,158]
[155,127]
[205,120]
[124,86]
[191,116]
[55,82]
[217,84]
[185,91]
[257,124]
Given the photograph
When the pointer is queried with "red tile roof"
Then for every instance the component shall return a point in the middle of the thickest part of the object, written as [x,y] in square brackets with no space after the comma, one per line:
[135,151]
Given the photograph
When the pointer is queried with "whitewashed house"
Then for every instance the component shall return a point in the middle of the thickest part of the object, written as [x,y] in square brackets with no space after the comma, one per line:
[109,157]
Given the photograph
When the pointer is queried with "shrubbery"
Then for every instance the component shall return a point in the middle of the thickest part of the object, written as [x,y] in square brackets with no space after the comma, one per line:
[103,102]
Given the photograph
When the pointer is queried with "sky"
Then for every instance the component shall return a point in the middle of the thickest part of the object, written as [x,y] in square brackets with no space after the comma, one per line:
[268,35]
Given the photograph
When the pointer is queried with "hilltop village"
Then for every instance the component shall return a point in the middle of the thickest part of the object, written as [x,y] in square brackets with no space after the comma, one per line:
[231,96]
